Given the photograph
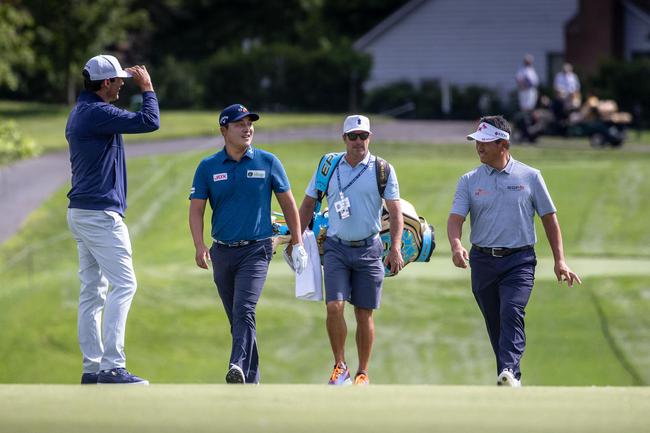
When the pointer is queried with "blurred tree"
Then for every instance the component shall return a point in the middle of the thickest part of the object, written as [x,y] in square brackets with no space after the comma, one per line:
[16,35]
[178,39]
[69,32]
[195,29]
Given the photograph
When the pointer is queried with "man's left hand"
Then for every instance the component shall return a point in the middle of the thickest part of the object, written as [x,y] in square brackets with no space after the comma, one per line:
[394,261]
[563,273]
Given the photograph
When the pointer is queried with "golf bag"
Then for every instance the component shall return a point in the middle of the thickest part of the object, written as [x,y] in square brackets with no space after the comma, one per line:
[418,239]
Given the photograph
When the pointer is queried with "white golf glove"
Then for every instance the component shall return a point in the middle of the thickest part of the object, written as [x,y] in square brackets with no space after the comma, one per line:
[299,258]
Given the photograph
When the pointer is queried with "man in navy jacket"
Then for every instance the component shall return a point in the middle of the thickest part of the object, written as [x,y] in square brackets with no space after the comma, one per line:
[96,211]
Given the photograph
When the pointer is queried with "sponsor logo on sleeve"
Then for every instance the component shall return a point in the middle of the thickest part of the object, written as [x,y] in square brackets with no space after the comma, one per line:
[219,177]
[256,174]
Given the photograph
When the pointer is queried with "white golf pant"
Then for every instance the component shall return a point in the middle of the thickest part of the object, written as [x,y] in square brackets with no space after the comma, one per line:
[104,259]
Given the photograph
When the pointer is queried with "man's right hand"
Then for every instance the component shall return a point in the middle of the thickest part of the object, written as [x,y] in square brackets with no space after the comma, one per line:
[141,77]
[202,257]
[299,258]
[460,257]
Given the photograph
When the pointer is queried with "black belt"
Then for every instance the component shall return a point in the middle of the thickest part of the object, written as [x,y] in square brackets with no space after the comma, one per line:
[501,252]
[237,243]
[361,243]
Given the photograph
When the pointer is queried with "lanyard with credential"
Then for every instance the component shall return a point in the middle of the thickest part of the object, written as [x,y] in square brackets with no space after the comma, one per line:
[342,206]
[338,178]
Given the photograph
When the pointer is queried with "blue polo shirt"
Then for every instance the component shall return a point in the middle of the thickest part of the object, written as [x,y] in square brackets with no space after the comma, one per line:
[502,204]
[365,201]
[240,193]
[94,133]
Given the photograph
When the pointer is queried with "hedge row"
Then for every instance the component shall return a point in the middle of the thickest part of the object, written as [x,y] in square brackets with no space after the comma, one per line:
[277,77]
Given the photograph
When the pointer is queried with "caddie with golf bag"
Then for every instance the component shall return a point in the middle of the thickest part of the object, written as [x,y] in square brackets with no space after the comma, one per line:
[352,250]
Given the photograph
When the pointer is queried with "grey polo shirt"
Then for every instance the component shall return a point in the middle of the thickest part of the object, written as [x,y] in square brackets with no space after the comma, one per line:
[502,204]
[365,202]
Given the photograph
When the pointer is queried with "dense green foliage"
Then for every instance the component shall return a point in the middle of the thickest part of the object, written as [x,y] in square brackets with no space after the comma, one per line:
[15,44]
[297,55]
[67,33]
[279,77]
[429,325]
[425,101]
[13,144]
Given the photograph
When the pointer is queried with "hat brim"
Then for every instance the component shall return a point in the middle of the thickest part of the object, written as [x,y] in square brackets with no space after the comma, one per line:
[124,74]
[253,116]
[480,136]
[358,130]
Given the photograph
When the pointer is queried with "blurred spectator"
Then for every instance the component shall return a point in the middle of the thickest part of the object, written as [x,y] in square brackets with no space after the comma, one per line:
[527,82]
[567,92]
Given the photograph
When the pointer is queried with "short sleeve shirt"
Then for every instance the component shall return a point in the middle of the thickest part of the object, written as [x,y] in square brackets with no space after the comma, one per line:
[528,76]
[567,83]
[502,204]
[239,193]
[365,201]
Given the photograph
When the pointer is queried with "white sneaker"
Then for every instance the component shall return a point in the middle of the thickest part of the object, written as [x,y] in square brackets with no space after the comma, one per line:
[506,378]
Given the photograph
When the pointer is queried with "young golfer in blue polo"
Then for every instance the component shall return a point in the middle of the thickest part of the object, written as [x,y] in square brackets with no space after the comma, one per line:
[238,181]
[502,196]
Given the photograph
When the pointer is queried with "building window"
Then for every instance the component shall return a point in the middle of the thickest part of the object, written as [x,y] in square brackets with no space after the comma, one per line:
[554,63]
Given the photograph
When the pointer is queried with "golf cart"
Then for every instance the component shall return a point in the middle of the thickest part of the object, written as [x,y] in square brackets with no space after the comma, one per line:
[599,120]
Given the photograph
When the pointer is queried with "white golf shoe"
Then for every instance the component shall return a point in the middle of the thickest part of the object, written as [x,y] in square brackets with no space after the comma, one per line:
[507,378]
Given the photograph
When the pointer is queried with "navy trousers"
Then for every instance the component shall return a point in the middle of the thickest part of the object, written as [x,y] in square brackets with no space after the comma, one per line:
[502,288]
[240,273]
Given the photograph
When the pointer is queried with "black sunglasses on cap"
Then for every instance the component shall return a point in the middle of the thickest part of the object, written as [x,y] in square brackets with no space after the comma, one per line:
[362,135]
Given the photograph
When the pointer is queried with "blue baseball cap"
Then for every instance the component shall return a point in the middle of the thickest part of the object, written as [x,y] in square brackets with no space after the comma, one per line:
[235,112]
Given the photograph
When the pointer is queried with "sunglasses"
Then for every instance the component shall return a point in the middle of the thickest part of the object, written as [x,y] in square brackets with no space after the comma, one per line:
[362,135]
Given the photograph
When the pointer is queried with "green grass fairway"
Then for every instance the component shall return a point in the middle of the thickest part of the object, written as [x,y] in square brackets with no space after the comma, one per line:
[310,408]
[45,123]
[429,329]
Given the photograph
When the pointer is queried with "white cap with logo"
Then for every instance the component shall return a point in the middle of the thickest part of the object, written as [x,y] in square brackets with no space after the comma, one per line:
[486,133]
[356,123]
[103,67]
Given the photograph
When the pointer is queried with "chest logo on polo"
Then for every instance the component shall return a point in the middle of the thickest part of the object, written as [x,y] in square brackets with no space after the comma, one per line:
[515,187]
[219,177]
[481,192]
[256,174]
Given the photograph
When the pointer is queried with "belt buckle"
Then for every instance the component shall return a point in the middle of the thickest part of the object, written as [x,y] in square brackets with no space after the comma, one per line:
[494,254]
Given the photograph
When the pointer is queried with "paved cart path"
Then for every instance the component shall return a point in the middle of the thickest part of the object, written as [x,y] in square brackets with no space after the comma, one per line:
[26,184]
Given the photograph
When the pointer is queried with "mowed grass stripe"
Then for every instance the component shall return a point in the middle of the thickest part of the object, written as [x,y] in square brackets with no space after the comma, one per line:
[304,408]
